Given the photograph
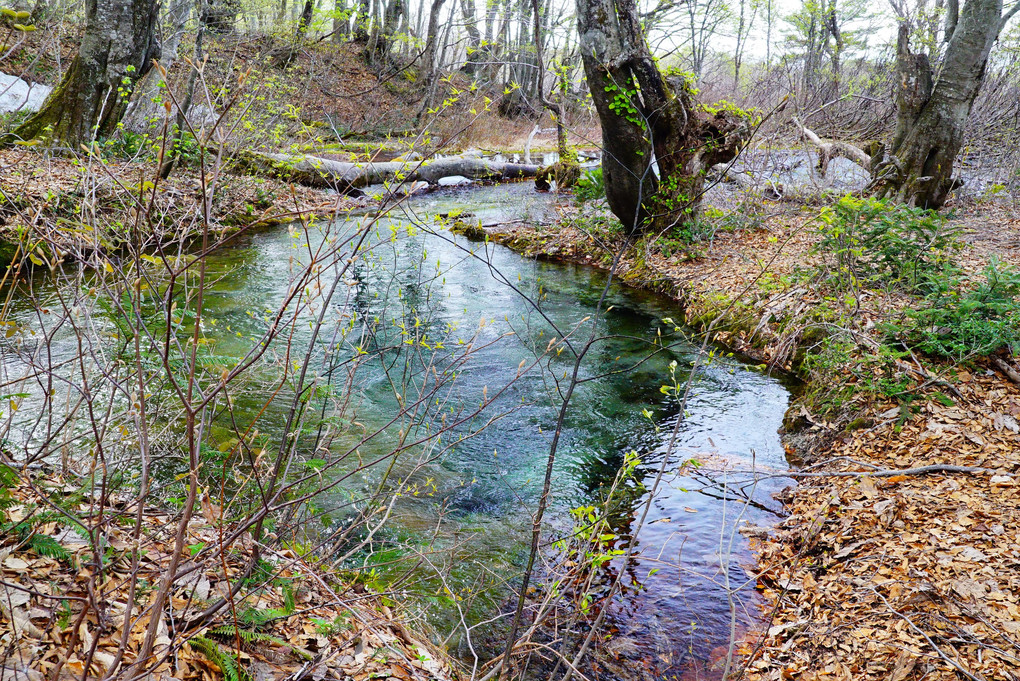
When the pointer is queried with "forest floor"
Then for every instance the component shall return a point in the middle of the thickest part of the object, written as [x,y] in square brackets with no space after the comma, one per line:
[297,618]
[60,208]
[50,199]
[874,574]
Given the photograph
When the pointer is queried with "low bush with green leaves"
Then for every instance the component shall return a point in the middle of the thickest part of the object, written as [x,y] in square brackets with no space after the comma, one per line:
[878,243]
[843,371]
[590,186]
[957,322]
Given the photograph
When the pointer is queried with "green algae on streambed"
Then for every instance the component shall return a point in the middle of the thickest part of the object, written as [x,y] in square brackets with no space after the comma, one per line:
[470,508]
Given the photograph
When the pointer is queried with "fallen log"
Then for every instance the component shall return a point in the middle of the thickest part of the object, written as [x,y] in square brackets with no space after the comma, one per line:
[830,150]
[314,171]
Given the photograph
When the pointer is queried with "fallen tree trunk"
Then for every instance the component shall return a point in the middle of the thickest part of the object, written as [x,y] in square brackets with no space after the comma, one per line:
[830,150]
[314,171]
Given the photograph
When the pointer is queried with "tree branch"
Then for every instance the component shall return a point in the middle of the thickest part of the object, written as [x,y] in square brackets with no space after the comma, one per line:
[829,150]
[888,473]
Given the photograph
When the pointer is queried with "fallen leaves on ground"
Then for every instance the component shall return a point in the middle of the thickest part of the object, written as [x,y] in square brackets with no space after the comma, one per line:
[64,613]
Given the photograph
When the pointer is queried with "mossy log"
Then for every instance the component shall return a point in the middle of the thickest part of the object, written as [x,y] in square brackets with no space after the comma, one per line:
[563,173]
[314,171]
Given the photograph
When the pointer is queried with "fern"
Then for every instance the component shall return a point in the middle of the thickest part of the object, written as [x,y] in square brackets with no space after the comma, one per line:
[232,670]
[250,636]
[289,598]
[252,618]
[47,546]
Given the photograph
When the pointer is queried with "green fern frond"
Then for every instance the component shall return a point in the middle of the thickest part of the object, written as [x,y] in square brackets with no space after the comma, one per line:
[47,546]
[249,636]
[289,599]
[232,671]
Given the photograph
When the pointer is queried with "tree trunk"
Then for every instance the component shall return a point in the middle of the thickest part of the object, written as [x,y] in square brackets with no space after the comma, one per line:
[566,171]
[640,115]
[341,21]
[474,37]
[932,117]
[314,171]
[117,49]
[147,104]
[306,19]
[429,67]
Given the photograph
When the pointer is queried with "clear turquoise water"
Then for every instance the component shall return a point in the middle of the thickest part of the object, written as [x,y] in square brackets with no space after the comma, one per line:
[471,516]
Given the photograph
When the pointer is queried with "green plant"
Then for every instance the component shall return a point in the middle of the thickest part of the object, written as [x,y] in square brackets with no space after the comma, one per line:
[326,627]
[26,530]
[590,186]
[680,238]
[228,664]
[842,371]
[958,323]
[127,144]
[881,243]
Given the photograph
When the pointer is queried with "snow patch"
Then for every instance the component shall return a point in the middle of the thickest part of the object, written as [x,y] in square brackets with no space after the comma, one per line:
[19,95]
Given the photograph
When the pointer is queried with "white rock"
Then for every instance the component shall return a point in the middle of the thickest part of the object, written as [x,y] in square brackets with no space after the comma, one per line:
[19,95]
[454,181]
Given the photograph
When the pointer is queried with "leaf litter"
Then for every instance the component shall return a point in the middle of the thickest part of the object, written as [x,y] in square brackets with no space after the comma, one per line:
[299,622]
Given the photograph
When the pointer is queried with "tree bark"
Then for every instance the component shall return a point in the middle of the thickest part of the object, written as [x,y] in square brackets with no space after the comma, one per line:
[566,170]
[641,116]
[314,171]
[341,21]
[932,115]
[117,48]
[474,37]
[146,105]
[305,20]
[429,67]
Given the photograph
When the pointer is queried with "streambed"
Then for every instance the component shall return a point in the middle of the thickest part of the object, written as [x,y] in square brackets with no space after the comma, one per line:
[472,501]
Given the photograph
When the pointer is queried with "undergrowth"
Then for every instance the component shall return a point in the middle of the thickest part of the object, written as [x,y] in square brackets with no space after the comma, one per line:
[875,244]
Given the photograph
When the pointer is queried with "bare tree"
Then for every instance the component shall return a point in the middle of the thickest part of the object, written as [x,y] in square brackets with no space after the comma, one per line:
[747,12]
[932,110]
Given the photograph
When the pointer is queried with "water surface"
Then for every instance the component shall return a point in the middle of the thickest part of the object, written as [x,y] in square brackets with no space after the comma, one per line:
[469,511]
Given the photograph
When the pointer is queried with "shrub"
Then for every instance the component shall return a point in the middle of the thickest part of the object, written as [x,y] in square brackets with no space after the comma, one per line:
[590,185]
[880,243]
[957,323]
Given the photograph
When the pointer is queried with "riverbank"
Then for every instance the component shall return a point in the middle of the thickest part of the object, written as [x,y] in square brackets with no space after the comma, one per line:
[60,208]
[294,616]
[875,574]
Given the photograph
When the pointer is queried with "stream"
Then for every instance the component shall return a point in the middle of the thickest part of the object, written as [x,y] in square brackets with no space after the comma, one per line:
[473,499]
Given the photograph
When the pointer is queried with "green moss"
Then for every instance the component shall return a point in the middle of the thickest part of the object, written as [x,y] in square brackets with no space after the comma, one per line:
[473,231]
[859,423]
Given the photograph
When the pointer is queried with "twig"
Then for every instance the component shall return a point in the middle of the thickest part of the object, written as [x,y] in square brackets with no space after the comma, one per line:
[888,473]
[956,665]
